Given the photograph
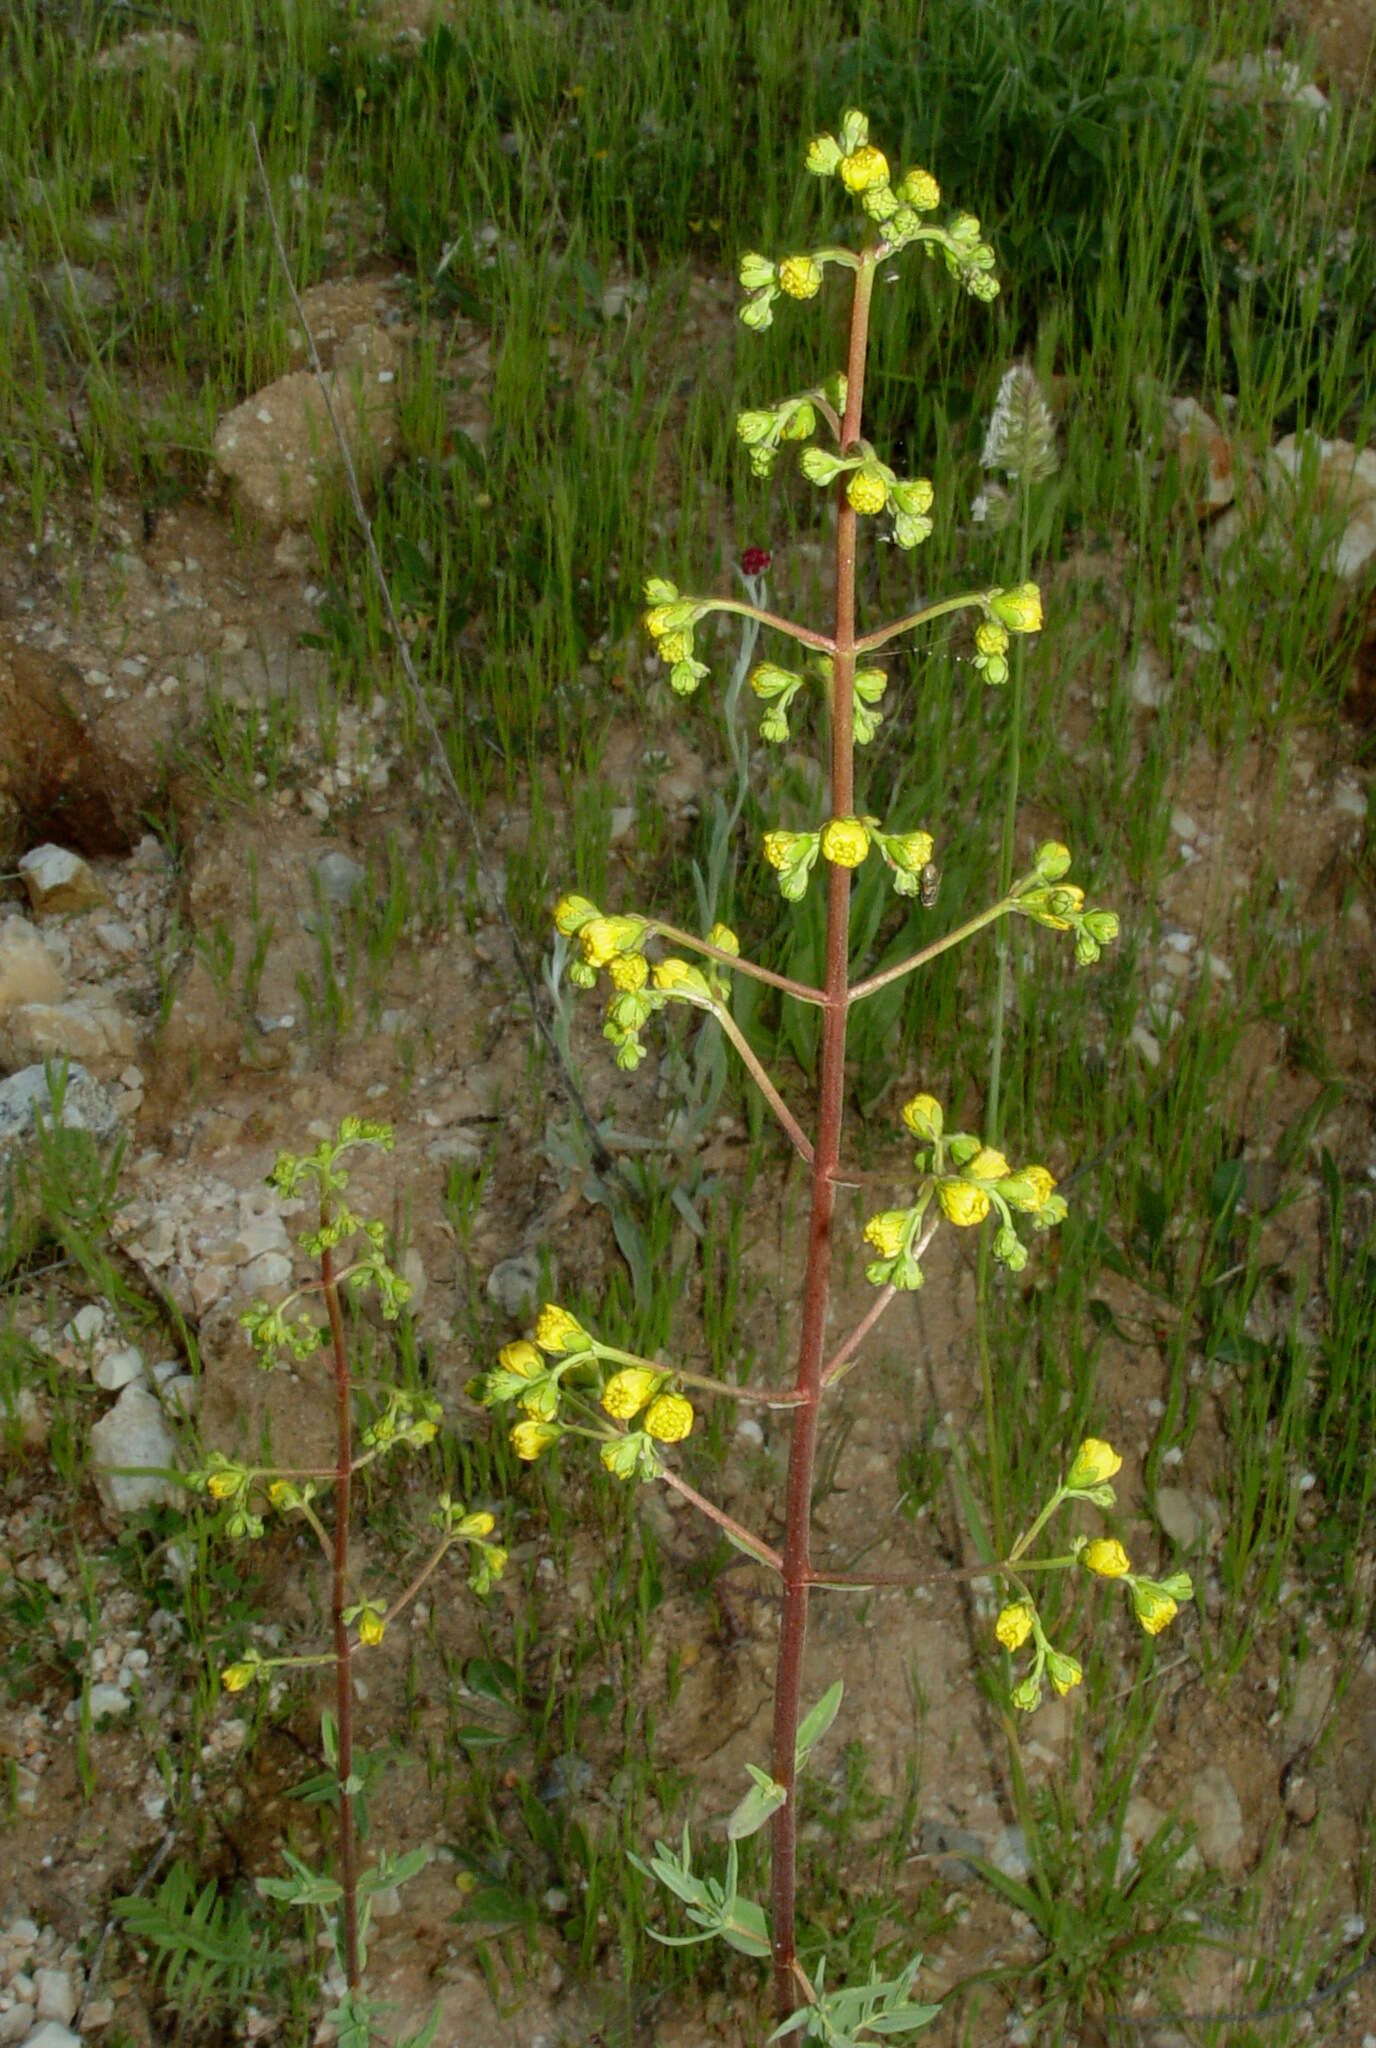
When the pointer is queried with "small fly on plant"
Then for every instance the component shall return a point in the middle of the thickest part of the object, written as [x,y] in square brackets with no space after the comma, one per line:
[928,883]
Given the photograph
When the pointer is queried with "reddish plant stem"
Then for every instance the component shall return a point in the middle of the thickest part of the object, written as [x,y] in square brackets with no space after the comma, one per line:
[344,1683]
[797,1565]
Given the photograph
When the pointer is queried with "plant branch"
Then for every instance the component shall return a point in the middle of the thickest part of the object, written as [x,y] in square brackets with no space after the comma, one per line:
[738,1533]
[875,982]
[803,990]
[884,634]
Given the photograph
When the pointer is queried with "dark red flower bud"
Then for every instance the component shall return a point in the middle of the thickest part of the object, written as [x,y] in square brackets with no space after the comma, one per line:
[755,561]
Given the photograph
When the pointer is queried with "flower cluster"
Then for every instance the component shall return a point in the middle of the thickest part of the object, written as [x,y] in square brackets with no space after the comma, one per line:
[669,623]
[777,687]
[567,1383]
[872,487]
[639,987]
[965,1179]
[1059,905]
[845,843]
[793,419]
[1155,1602]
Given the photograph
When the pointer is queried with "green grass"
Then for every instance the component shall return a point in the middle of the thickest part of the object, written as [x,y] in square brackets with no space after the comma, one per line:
[1167,238]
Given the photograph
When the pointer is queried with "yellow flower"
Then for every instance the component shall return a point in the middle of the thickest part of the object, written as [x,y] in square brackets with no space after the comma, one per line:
[371,1627]
[668,1418]
[223,1485]
[235,1677]
[1014,1625]
[1093,1463]
[627,1392]
[800,277]
[1020,609]
[863,169]
[962,1203]
[722,936]
[629,971]
[1106,1557]
[284,1495]
[923,1116]
[910,851]
[480,1524]
[845,842]
[521,1358]
[1153,1606]
[676,646]
[988,1164]
[991,638]
[866,491]
[602,938]
[887,1231]
[529,1439]
[556,1331]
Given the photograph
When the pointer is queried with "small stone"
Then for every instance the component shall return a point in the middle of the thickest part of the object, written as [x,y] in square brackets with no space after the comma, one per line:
[59,880]
[28,973]
[1147,1043]
[413,1270]
[118,1368]
[79,1030]
[86,1325]
[1148,682]
[1183,825]
[514,1286]
[1349,798]
[1299,1795]
[1213,1805]
[107,1703]
[15,2024]
[265,1234]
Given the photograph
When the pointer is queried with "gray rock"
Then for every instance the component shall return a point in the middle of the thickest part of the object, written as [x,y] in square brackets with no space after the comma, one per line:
[15,2024]
[514,1286]
[79,1030]
[52,2034]
[28,972]
[56,1994]
[134,1434]
[59,880]
[339,877]
[1213,1806]
[85,1104]
[1186,1518]
[107,1703]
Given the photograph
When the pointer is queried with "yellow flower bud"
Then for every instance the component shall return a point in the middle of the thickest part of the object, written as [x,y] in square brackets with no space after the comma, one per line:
[668,1418]
[991,637]
[571,912]
[556,1331]
[1093,1463]
[1153,1606]
[522,1358]
[923,1116]
[962,1203]
[629,971]
[480,1524]
[529,1439]
[1020,609]
[1063,1671]
[887,1231]
[627,1392]
[679,977]
[1014,1625]
[371,1627]
[845,842]
[1106,1557]
[677,646]
[800,277]
[235,1677]
[782,849]
[988,1164]
[866,492]
[223,1485]
[864,169]
[722,936]
[919,190]
[1035,1190]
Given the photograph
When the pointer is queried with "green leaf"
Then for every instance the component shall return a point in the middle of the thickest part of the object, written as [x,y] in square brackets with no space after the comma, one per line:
[817,1722]
[764,1798]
